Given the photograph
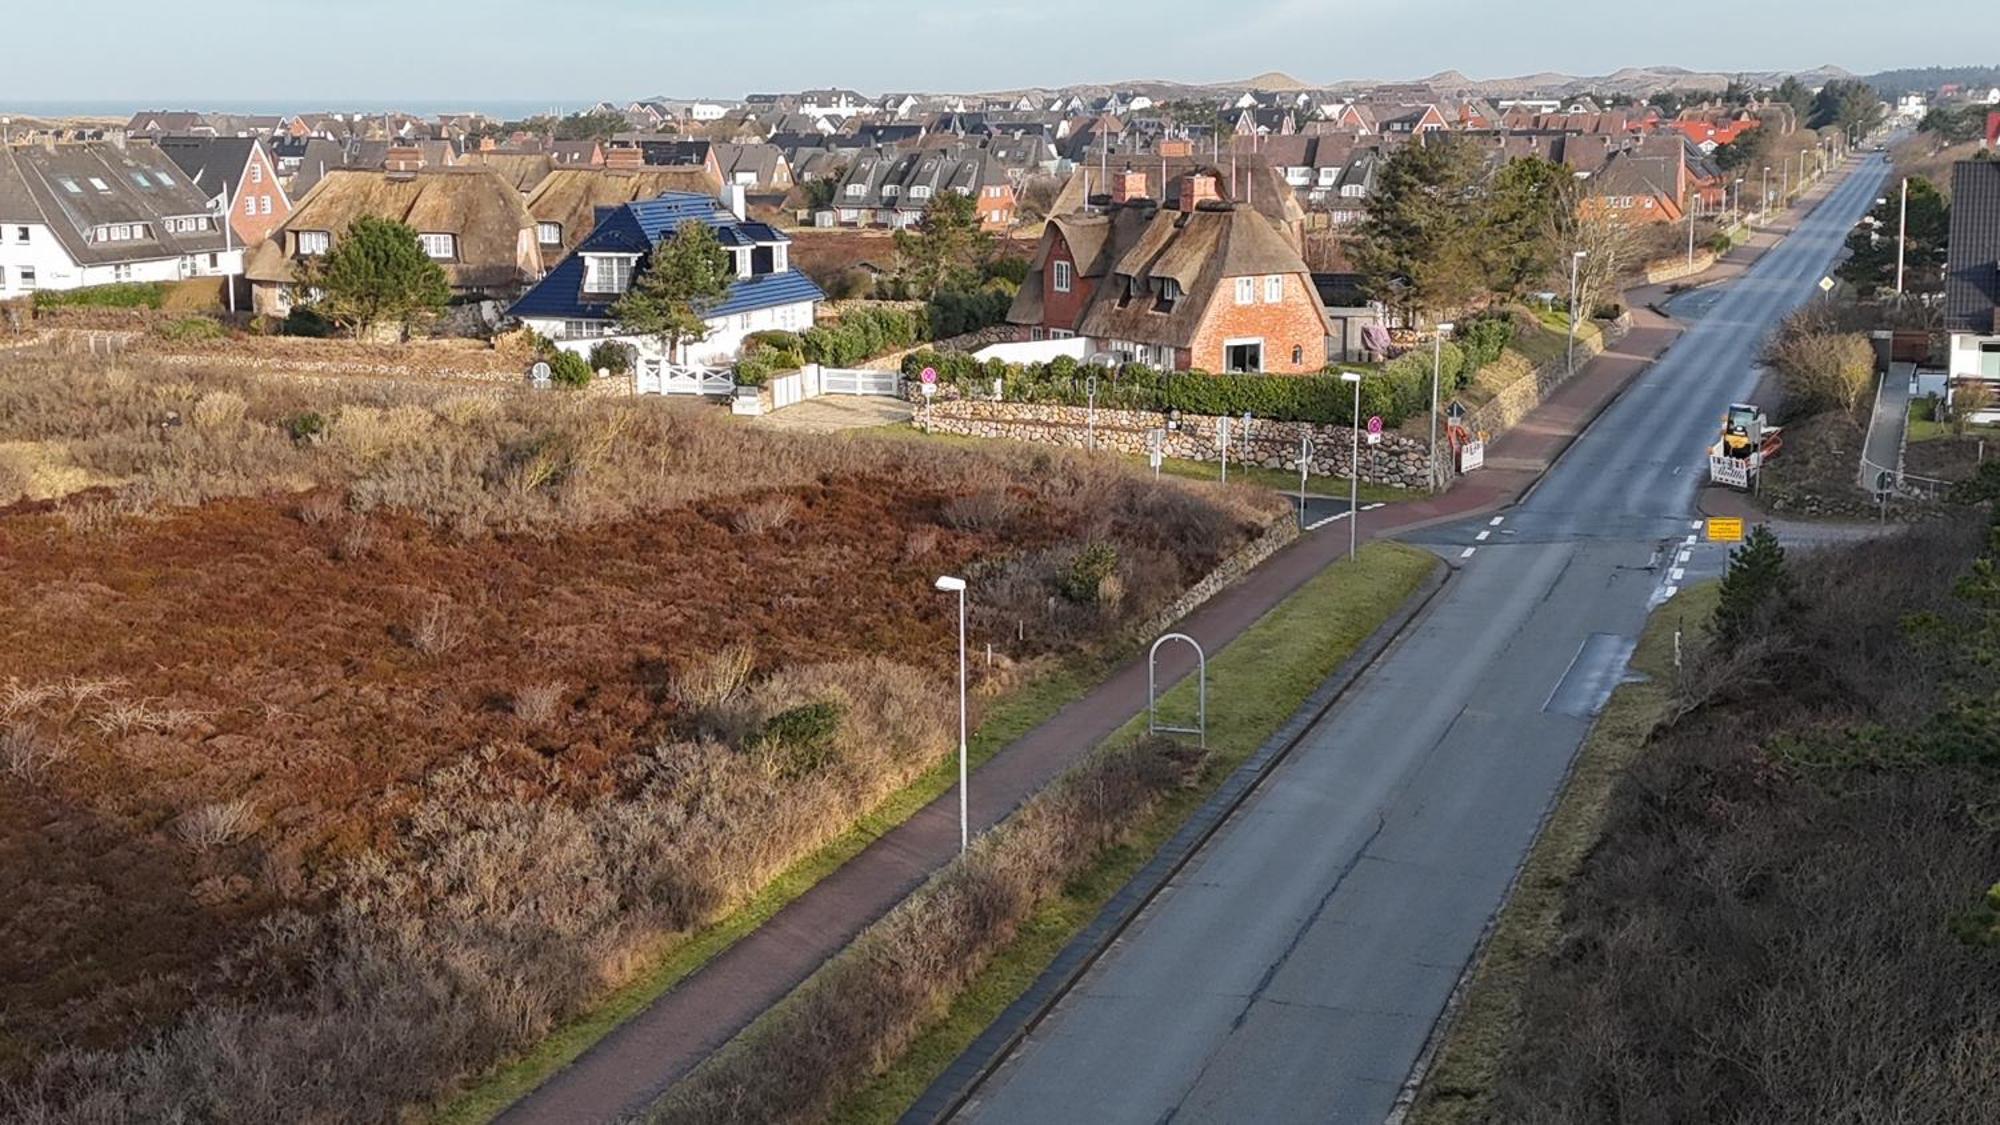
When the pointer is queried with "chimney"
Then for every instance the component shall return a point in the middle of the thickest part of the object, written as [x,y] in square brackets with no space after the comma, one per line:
[1128,185]
[488,144]
[735,196]
[626,158]
[404,158]
[1198,188]
[1993,130]
[1177,147]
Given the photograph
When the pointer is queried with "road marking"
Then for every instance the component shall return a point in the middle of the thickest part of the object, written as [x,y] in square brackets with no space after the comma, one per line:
[1684,557]
[1322,523]
[1696,525]
[1677,574]
[1371,507]
[1468,552]
[1690,541]
[1482,536]
[1496,521]
[1672,590]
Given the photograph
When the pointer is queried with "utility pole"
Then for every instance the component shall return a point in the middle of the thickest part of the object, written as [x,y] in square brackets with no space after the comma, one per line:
[1902,234]
[1692,202]
[1575,265]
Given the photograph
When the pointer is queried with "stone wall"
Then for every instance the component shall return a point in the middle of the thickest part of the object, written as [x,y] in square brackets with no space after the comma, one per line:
[1397,462]
[1676,267]
[1500,413]
[1281,532]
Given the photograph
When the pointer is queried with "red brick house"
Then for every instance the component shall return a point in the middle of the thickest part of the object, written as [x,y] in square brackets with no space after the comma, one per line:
[237,172]
[1196,283]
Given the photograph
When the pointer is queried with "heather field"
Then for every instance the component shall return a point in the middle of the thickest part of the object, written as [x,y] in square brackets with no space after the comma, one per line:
[352,734]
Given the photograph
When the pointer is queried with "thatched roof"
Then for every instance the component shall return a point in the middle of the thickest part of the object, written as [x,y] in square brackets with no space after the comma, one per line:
[522,169]
[571,196]
[495,233]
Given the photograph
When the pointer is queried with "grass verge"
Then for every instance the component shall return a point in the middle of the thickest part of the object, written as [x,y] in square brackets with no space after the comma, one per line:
[1460,1083]
[1007,718]
[1264,675]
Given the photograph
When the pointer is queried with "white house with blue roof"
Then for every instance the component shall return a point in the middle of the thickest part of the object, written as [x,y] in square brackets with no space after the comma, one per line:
[572,304]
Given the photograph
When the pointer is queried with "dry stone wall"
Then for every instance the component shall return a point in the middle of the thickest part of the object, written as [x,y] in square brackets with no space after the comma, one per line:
[1500,413]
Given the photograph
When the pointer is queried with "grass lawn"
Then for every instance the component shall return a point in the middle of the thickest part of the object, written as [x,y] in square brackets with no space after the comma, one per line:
[1461,1081]
[1921,428]
[1282,480]
[1006,719]
[1263,676]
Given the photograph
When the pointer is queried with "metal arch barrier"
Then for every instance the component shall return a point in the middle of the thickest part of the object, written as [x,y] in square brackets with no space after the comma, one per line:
[1200,729]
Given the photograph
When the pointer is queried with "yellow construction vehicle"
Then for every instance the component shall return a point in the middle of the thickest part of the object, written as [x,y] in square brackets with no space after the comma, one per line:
[1747,442]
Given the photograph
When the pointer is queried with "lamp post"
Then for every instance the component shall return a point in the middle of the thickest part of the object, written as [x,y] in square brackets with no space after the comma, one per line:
[950,585]
[1902,233]
[1764,201]
[1575,265]
[1354,468]
[1736,200]
[1694,204]
[1437,375]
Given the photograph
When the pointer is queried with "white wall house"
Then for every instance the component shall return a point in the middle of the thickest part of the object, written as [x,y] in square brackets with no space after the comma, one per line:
[74,216]
[572,306]
[1972,272]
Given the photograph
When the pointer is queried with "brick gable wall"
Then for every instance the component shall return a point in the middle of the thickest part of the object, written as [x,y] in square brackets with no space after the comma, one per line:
[1291,323]
[1063,310]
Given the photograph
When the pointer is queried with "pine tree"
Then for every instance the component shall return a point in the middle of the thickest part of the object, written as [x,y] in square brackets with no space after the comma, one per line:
[376,276]
[669,300]
[1755,588]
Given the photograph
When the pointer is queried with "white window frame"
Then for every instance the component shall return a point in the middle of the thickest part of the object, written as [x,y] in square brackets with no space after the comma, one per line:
[314,243]
[1246,291]
[439,246]
[22,235]
[542,230]
[1061,334]
[1274,289]
[608,273]
[1064,275]
[1243,342]
[921,191]
[28,279]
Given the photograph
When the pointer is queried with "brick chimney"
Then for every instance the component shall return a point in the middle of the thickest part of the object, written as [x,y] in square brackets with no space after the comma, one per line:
[488,144]
[626,158]
[1198,188]
[404,158]
[1128,185]
[1177,147]
[1993,130]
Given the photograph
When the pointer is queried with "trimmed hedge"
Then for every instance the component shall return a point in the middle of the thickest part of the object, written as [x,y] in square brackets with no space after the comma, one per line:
[121,295]
[863,334]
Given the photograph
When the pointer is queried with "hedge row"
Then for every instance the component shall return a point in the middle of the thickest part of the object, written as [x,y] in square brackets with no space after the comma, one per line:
[121,295]
[1398,390]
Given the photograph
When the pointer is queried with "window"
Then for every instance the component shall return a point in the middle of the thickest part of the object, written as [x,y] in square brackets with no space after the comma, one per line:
[443,247]
[3,277]
[1274,289]
[1246,290]
[1170,292]
[1989,360]
[313,242]
[100,185]
[27,277]
[548,234]
[165,180]
[140,179]
[121,272]
[857,190]
[21,234]
[1298,355]
[921,191]
[69,185]
[256,172]
[263,204]
[1240,356]
[891,191]
[1061,281]
[1034,333]
[1061,334]
[607,273]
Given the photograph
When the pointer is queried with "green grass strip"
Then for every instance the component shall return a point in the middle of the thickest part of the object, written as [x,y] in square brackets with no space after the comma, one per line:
[1255,683]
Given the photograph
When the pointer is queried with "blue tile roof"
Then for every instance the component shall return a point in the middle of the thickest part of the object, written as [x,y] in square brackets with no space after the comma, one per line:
[635,228]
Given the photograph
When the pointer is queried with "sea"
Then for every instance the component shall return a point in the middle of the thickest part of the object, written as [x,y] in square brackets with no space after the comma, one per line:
[504,109]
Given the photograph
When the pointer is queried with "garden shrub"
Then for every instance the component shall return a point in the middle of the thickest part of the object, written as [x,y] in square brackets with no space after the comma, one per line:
[611,356]
[569,369]
[190,329]
[957,312]
[121,295]
[1082,580]
[863,334]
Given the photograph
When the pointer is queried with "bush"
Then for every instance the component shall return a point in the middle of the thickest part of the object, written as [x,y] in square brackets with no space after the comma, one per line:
[568,369]
[1483,338]
[957,312]
[123,295]
[863,334]
[307,427]
[611,356]
[1822,369]
[302,321]
[190,329]
[1083,580]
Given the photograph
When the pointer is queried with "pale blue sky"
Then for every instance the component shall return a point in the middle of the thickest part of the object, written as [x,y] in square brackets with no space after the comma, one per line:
[165,52]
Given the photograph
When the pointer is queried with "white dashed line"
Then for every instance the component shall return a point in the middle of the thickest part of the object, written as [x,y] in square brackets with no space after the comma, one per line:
[1677,574]
[1672,590]
[1468,552]
[1683,557]
[1696,525]
[1690,540]
[1370,507]
[1496,521]
[1482,536]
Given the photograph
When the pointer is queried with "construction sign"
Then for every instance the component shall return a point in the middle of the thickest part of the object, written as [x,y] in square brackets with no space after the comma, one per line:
[1725,529]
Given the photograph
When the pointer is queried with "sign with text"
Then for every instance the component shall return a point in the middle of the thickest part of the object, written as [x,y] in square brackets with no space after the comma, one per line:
[1472,455]
[1725,529]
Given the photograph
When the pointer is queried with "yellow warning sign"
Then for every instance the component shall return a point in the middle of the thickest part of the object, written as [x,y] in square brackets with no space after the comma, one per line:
[1725,529]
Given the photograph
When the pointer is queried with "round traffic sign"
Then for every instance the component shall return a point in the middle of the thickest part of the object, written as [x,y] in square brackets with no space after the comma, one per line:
[929,375]
[1375,424]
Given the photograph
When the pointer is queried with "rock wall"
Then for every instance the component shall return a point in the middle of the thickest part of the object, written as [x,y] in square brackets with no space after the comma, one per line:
[1281,533]
[1674,268]
[1500,413]
[1399,461]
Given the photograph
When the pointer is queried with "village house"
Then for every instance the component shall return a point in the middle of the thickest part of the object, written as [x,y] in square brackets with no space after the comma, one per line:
[1972,272]
[240,178]
[1199,283]
[470,220]
[572,305]
[890,189]
[73,216]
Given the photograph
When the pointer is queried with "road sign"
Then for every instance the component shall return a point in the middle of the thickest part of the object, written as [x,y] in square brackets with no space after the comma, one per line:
[1826,285]
[1375,424]
[1456,411]
[1725,529]
[539,374]
[930,390]
[929,375]
[1471,455]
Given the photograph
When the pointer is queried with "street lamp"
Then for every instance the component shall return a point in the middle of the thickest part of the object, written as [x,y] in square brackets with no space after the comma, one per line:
[1736,201]
[1354,468]
[1764,201]
[1575,265]
[1437,375]
[950,585]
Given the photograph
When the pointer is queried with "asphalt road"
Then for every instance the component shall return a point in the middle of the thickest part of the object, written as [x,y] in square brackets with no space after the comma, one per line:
[1296,968]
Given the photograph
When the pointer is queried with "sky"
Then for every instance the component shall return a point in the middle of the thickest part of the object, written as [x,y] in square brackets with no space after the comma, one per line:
[573,52]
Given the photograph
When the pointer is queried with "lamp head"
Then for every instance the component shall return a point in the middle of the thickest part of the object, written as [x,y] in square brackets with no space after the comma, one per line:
[1444,327]
[1350,377]
[950,585]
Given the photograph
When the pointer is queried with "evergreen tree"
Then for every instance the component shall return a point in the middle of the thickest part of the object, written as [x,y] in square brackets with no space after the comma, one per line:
[1528,198]
[376,275]
[1419,245]
[669,300]
[945,249]
[1755,588]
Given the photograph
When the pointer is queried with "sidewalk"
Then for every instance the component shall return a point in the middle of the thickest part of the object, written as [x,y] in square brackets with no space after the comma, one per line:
[1882,449]
[641,1058]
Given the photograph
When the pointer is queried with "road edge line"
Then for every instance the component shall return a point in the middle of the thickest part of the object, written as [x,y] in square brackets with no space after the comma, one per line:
[961,1080]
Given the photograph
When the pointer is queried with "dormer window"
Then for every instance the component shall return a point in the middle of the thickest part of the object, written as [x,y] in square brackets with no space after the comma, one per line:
[857,189]
[313,243]
[1170,294]
[607,273]
[1062,274]
[921,191]
[891,191]
[439,247]
[548,234]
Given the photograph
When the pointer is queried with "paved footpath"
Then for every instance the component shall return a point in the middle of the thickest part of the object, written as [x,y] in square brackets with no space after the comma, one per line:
[636,1062]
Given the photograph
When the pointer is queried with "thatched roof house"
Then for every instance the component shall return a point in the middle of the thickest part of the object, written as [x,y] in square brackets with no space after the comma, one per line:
[522,169]
[565,204]
[470,219]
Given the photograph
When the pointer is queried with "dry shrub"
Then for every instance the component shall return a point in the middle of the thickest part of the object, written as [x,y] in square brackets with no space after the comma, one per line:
[26,754]
[93,516]
[865,1006]
[921,543]
[1823,368]
[126,716]
[712,679]
[768,514]
[319,508]
[985,510]
[368,432]
[219,410]
[440,629]
[356,541]
[537,704]
[499,916]
[217,825]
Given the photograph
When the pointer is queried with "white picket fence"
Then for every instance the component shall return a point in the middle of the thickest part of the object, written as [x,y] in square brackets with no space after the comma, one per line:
[657,378]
